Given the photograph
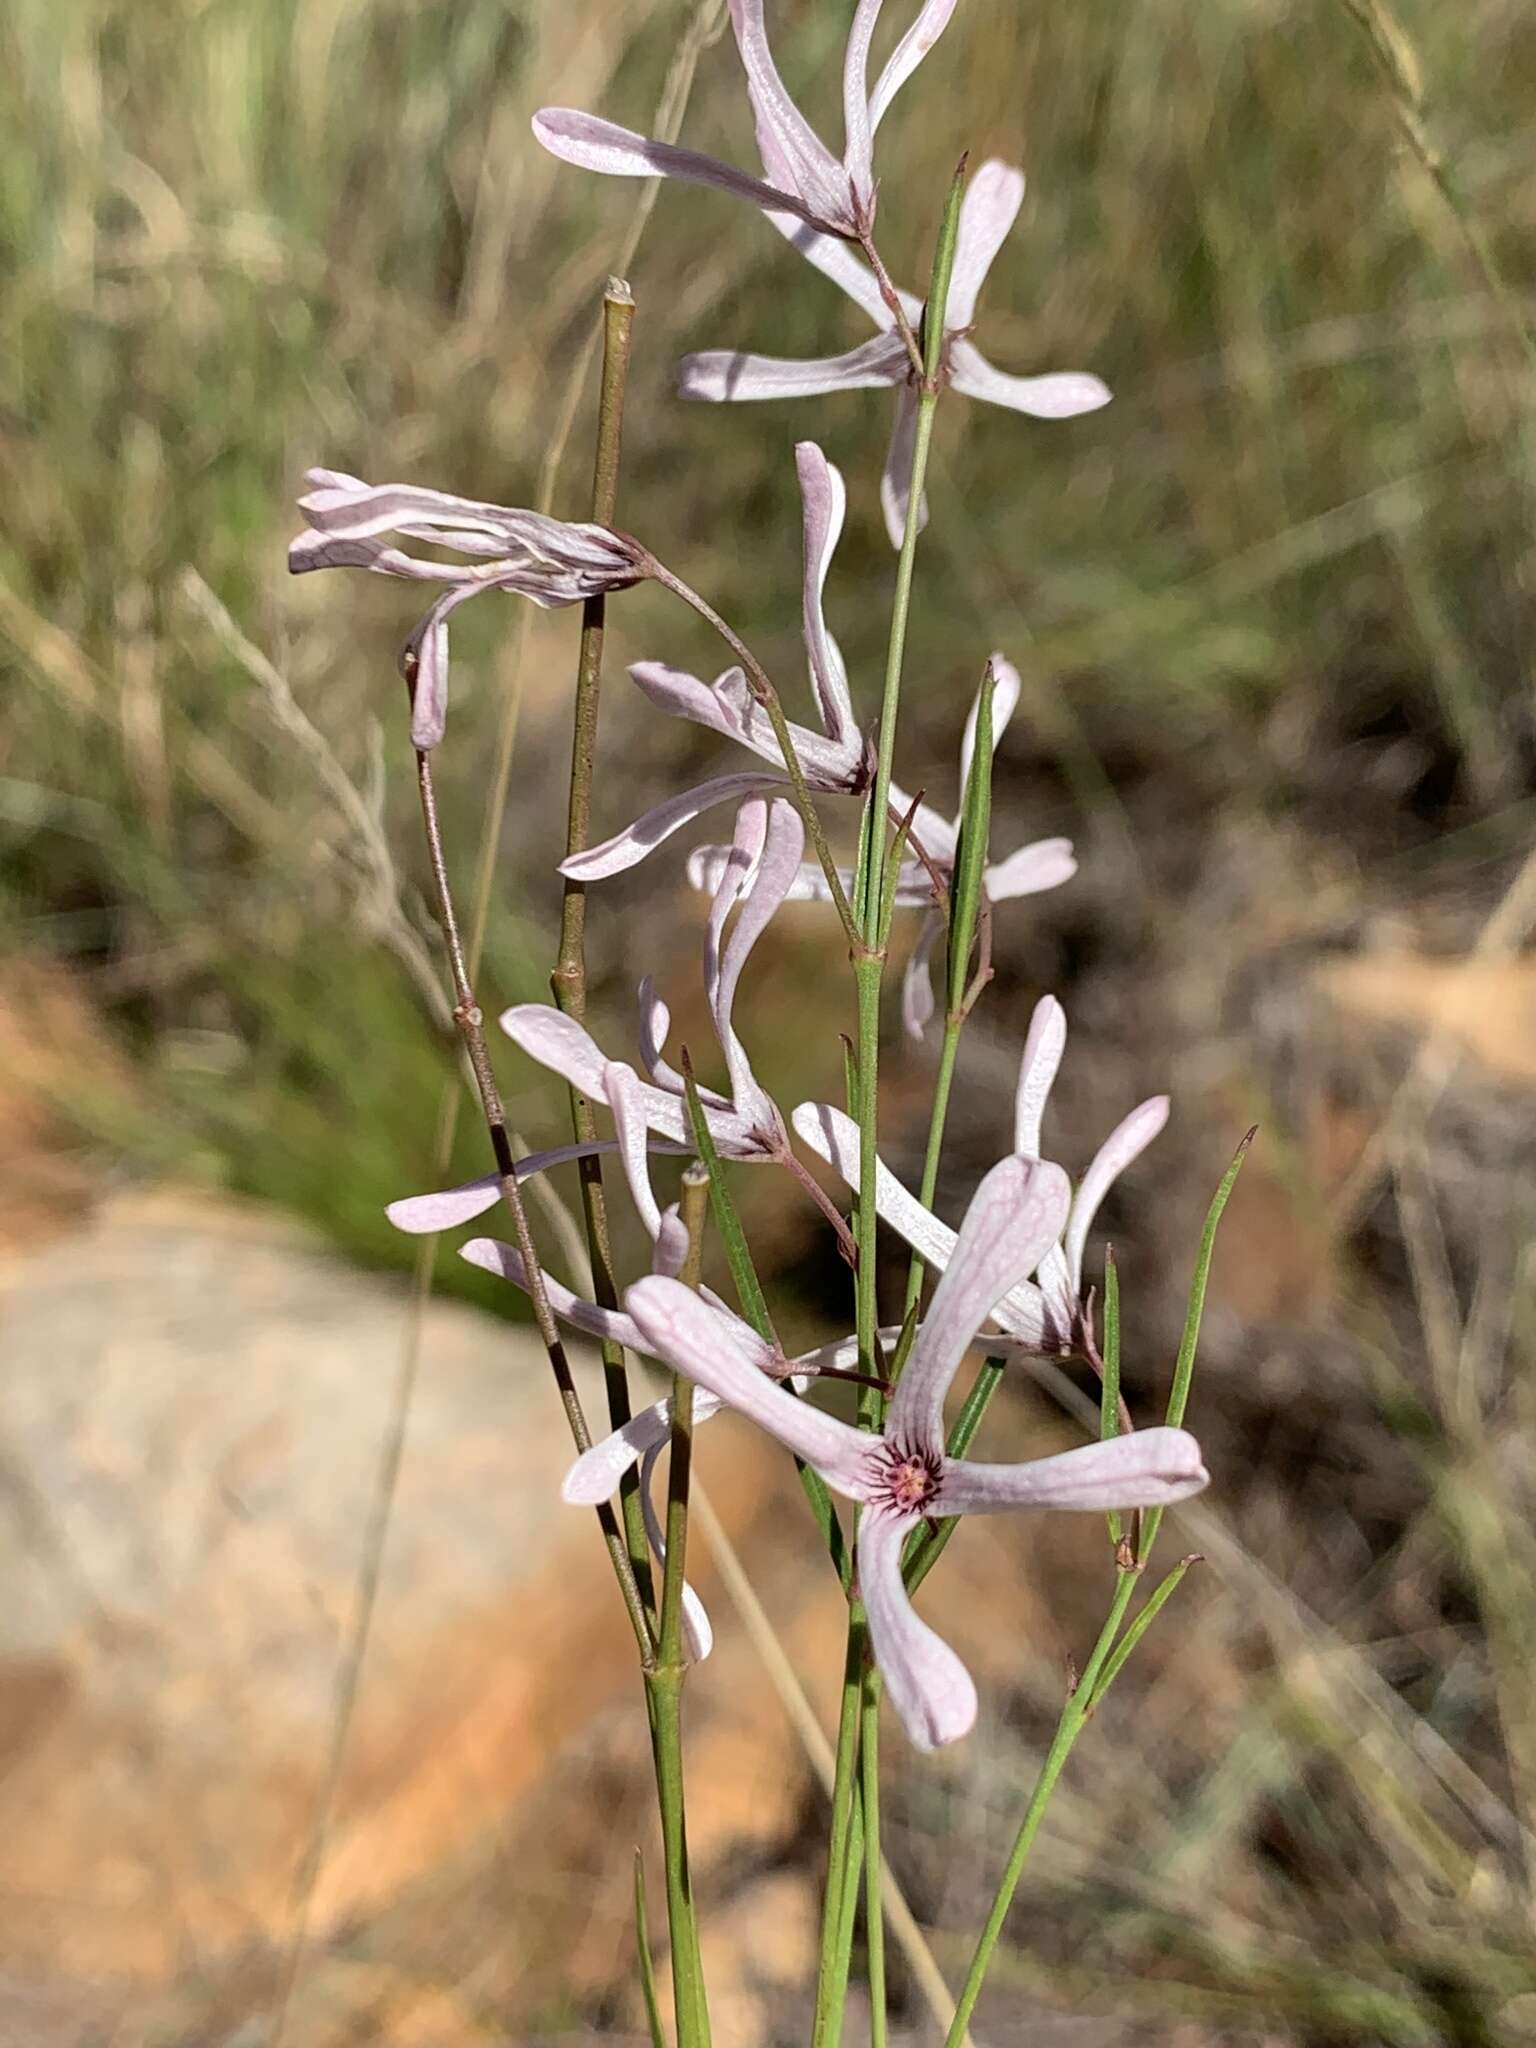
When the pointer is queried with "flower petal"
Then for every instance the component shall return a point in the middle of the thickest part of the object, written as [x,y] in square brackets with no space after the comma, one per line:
[670,1252]
[987,212]
[823,501]
[1005,701]
[722,374]
[594,145]
[1059,396]
[834,1136]
[595,1475]
[929,1687]
[856,129]
[621,1091]
[1043,1048]
[628,848]
[560,1043]
[917,1001]
[312,549]
[931,22]
[424,663]
[680,1328]
[896,478]
[1150,1468]
[1015,1217]
[780,841]
[421,1215]
[790,146]
[506,1261]
[1127,1141]
[835,259]
[1028,870]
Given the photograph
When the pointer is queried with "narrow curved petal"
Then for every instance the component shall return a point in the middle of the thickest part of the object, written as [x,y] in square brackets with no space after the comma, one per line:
[857,133]
[1015,1217]
[726,706]
[346,506]
[561,1044]
[1005,701]
[929,1687]
[1032,1327]
[595,1475]
[780,845]
[621,1091]
[824,502]
[987,212]
[931,22]
[1043,1048]
[1030,870]
[594,145]
[698,1636]
[722,374]
[637,841]
[669,1255]
[896,478]
[836,260]
[787,140]
[421,1215]
[424,662]
[680,1328]
[1150,1468]
[1126,1142]
[506,1262]
[312,549]
[737,878]
[1060,1294]
[834,1136]
[1059,396]
[917,1000]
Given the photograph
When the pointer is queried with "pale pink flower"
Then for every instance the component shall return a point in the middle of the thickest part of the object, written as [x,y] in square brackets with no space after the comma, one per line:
[745,1122]
[802,177]
[835,760]
[903,1476]
[988,211]
[1048,1317]
[1040,864]
[547,560]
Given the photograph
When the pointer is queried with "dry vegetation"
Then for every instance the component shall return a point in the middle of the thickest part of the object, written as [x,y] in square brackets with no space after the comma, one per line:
[1274,611]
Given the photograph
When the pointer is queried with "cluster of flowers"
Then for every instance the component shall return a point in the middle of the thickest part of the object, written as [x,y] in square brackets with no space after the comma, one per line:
[1010,1281]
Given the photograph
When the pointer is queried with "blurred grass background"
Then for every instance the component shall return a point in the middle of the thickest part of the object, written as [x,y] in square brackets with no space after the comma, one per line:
[1273,608]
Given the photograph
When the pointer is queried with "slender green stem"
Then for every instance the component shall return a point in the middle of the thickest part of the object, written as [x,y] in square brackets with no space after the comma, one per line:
[943,1081]
[569,979]
[1158,1599]
[874,1916]
[836,1934]
[1068,1728]
[643,1955]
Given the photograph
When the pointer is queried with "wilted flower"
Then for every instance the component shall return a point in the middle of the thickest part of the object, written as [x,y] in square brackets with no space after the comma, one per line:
[903,1476]
[1029,869]
[989,209]
[548,560]
[835,760]
[1042,1318]
[803,178]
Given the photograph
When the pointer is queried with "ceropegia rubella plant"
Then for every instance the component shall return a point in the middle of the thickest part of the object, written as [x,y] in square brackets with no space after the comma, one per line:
[1013,1283]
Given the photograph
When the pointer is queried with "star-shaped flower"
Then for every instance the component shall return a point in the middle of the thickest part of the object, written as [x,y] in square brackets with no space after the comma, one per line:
[988,211]
[835,761]
[903,1476]
[802,177]
[1045,1318]
[548,560]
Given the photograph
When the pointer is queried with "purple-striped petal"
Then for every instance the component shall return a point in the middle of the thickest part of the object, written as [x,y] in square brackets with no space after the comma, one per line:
[1060,396]
[857,134]
[823,503]
[637,841]
[723,374]
[987,212]
[931,22]
[1150,1468]
[896,478]
[789,144]
[1126,1142]
[1015,1217]
[595,145]
[312,549]
[1043,1048]
[680,1328]
[929,1687]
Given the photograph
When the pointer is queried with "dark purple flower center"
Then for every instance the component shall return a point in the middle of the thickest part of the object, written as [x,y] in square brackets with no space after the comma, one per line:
[907,1479]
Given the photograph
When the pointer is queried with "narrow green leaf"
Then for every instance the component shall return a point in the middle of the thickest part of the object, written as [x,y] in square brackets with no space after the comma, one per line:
[643,1950]
[943,270]
[894,859]
[1138,1628]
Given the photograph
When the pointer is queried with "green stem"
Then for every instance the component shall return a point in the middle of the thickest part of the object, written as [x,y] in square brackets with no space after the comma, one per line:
[1068,1728]
[836,1933]
[568,982]
[664,1699]
[874,1915]
[942,1083]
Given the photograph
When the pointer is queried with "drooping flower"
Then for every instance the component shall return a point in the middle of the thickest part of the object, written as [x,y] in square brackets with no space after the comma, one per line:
[988,211]
[903,1476]
[802,178]
[1040,864]
[550,561]
[1048,1317]
[835,760]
